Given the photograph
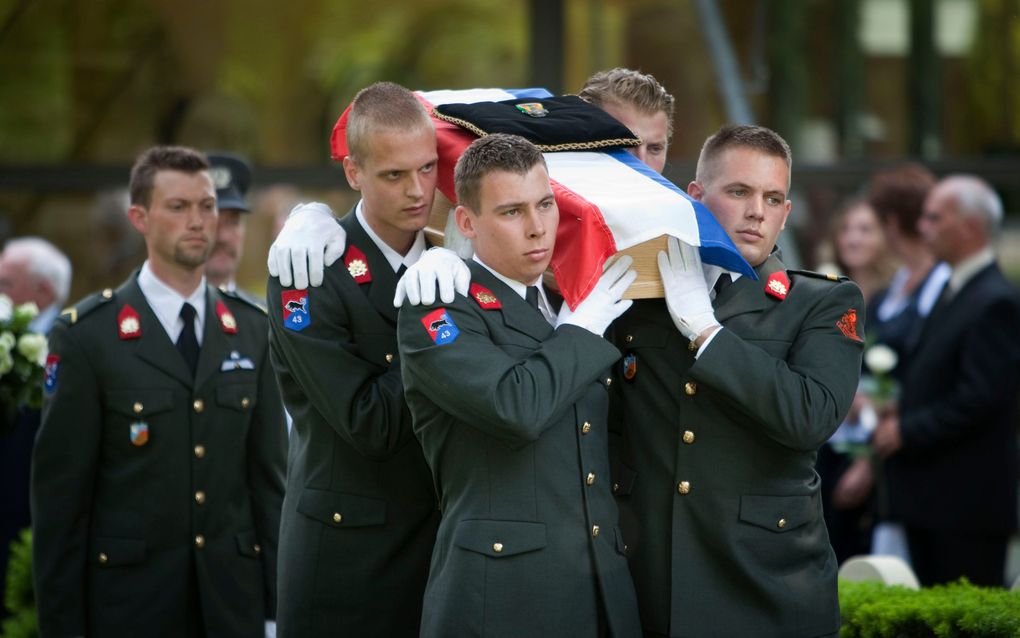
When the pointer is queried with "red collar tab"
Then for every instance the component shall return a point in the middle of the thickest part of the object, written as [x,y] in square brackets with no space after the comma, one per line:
[227,320]
[484,297]
[847,324]
[129,324]
[357,265]
[778,285]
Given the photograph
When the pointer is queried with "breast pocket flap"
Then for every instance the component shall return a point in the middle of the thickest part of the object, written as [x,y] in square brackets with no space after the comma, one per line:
[138,403]
[499,539]
[340,509]
[114,552]
[778,514]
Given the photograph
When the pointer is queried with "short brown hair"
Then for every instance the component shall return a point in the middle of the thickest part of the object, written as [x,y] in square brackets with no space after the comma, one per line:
[898,194]
[162,158]
[383,105]
[628,87]
[754,137]
[496,152]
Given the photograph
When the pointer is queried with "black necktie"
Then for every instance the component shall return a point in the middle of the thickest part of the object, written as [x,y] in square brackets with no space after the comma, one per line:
[187,343]
[720,284]
[531,296]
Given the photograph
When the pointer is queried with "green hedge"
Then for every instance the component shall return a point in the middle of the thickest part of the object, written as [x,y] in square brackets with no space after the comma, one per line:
[956,610]
[19,598]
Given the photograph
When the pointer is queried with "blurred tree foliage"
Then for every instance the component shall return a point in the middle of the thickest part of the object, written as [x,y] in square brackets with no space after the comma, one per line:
[99,81]
[993,69]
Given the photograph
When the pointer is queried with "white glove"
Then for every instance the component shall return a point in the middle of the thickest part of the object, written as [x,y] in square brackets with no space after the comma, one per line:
[311,239]
[437,265]
[605,302]
[270,629]
[686,291]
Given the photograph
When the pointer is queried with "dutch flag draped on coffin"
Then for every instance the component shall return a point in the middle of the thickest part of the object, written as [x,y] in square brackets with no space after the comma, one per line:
[608,200]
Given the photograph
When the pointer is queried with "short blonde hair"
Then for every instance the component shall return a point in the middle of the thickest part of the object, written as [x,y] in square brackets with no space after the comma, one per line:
[627,87]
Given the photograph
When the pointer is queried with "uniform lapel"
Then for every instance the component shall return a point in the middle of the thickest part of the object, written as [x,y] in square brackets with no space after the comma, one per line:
[154,346]
[215,348]
[517,314]
[384,281]
[745,295]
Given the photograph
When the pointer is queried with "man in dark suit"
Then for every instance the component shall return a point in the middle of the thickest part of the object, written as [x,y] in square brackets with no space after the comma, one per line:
[952,448]
[511,414]
[725,394]
[157,477]
[360,515]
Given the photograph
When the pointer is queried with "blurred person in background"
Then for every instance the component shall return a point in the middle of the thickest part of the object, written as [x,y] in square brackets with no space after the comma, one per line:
[951,447]
[232,178]
[861,253]
[895,314]
[31,270]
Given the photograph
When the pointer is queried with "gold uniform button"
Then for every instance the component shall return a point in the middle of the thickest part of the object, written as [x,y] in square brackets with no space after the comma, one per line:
[200,497]
[683,487]
[782,523]
[594,530]
[108,293]
[629,338]
[497,547]
[199,451]
[616,488]
[200,541]
[337,517]
[389,358]
[609,381]
[586,428]
[103,558]
[257,548]
[199,405]
[688,437]
[590,480]
[245,402]
[691,388]
[137,407]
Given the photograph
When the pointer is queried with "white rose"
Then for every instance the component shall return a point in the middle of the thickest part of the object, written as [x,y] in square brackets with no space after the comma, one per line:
[7,341]
[6,362]
[6,308]
[880,359]
[33,347]
[27,311]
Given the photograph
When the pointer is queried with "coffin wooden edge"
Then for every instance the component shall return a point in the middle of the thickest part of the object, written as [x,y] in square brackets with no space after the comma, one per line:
[648,284]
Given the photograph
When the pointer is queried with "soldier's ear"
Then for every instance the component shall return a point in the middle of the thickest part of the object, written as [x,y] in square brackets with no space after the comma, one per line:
[465,222]
[696,190]
[139,218]
[351,172]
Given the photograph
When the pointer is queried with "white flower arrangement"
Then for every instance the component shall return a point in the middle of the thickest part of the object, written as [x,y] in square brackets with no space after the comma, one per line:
[22,356]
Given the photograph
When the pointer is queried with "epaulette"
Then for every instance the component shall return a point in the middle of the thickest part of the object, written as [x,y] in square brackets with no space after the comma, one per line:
[819,275]
[246,298]
[72,314]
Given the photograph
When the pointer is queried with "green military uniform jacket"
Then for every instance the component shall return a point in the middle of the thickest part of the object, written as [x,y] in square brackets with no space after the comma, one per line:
[512,417]
[156,496]
[718,494]
[360,515]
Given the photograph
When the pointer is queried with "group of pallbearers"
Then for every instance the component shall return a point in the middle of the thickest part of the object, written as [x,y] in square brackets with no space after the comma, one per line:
[494,463]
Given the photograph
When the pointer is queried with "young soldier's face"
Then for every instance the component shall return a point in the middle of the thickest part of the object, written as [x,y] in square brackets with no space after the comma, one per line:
[179,224]
[397,180]
[652,129]
[514,230]
[746,191]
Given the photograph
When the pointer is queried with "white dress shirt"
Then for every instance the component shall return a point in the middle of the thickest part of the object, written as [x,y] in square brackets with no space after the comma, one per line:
[395,259]
[522,289]
[167,303]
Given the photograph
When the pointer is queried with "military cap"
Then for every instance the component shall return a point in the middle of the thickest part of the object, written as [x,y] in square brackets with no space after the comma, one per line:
[232,177]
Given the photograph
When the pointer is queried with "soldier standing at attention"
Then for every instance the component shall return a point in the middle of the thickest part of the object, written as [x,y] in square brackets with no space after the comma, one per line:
[232,177]
[360,515]
[511,413]
[157,475]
